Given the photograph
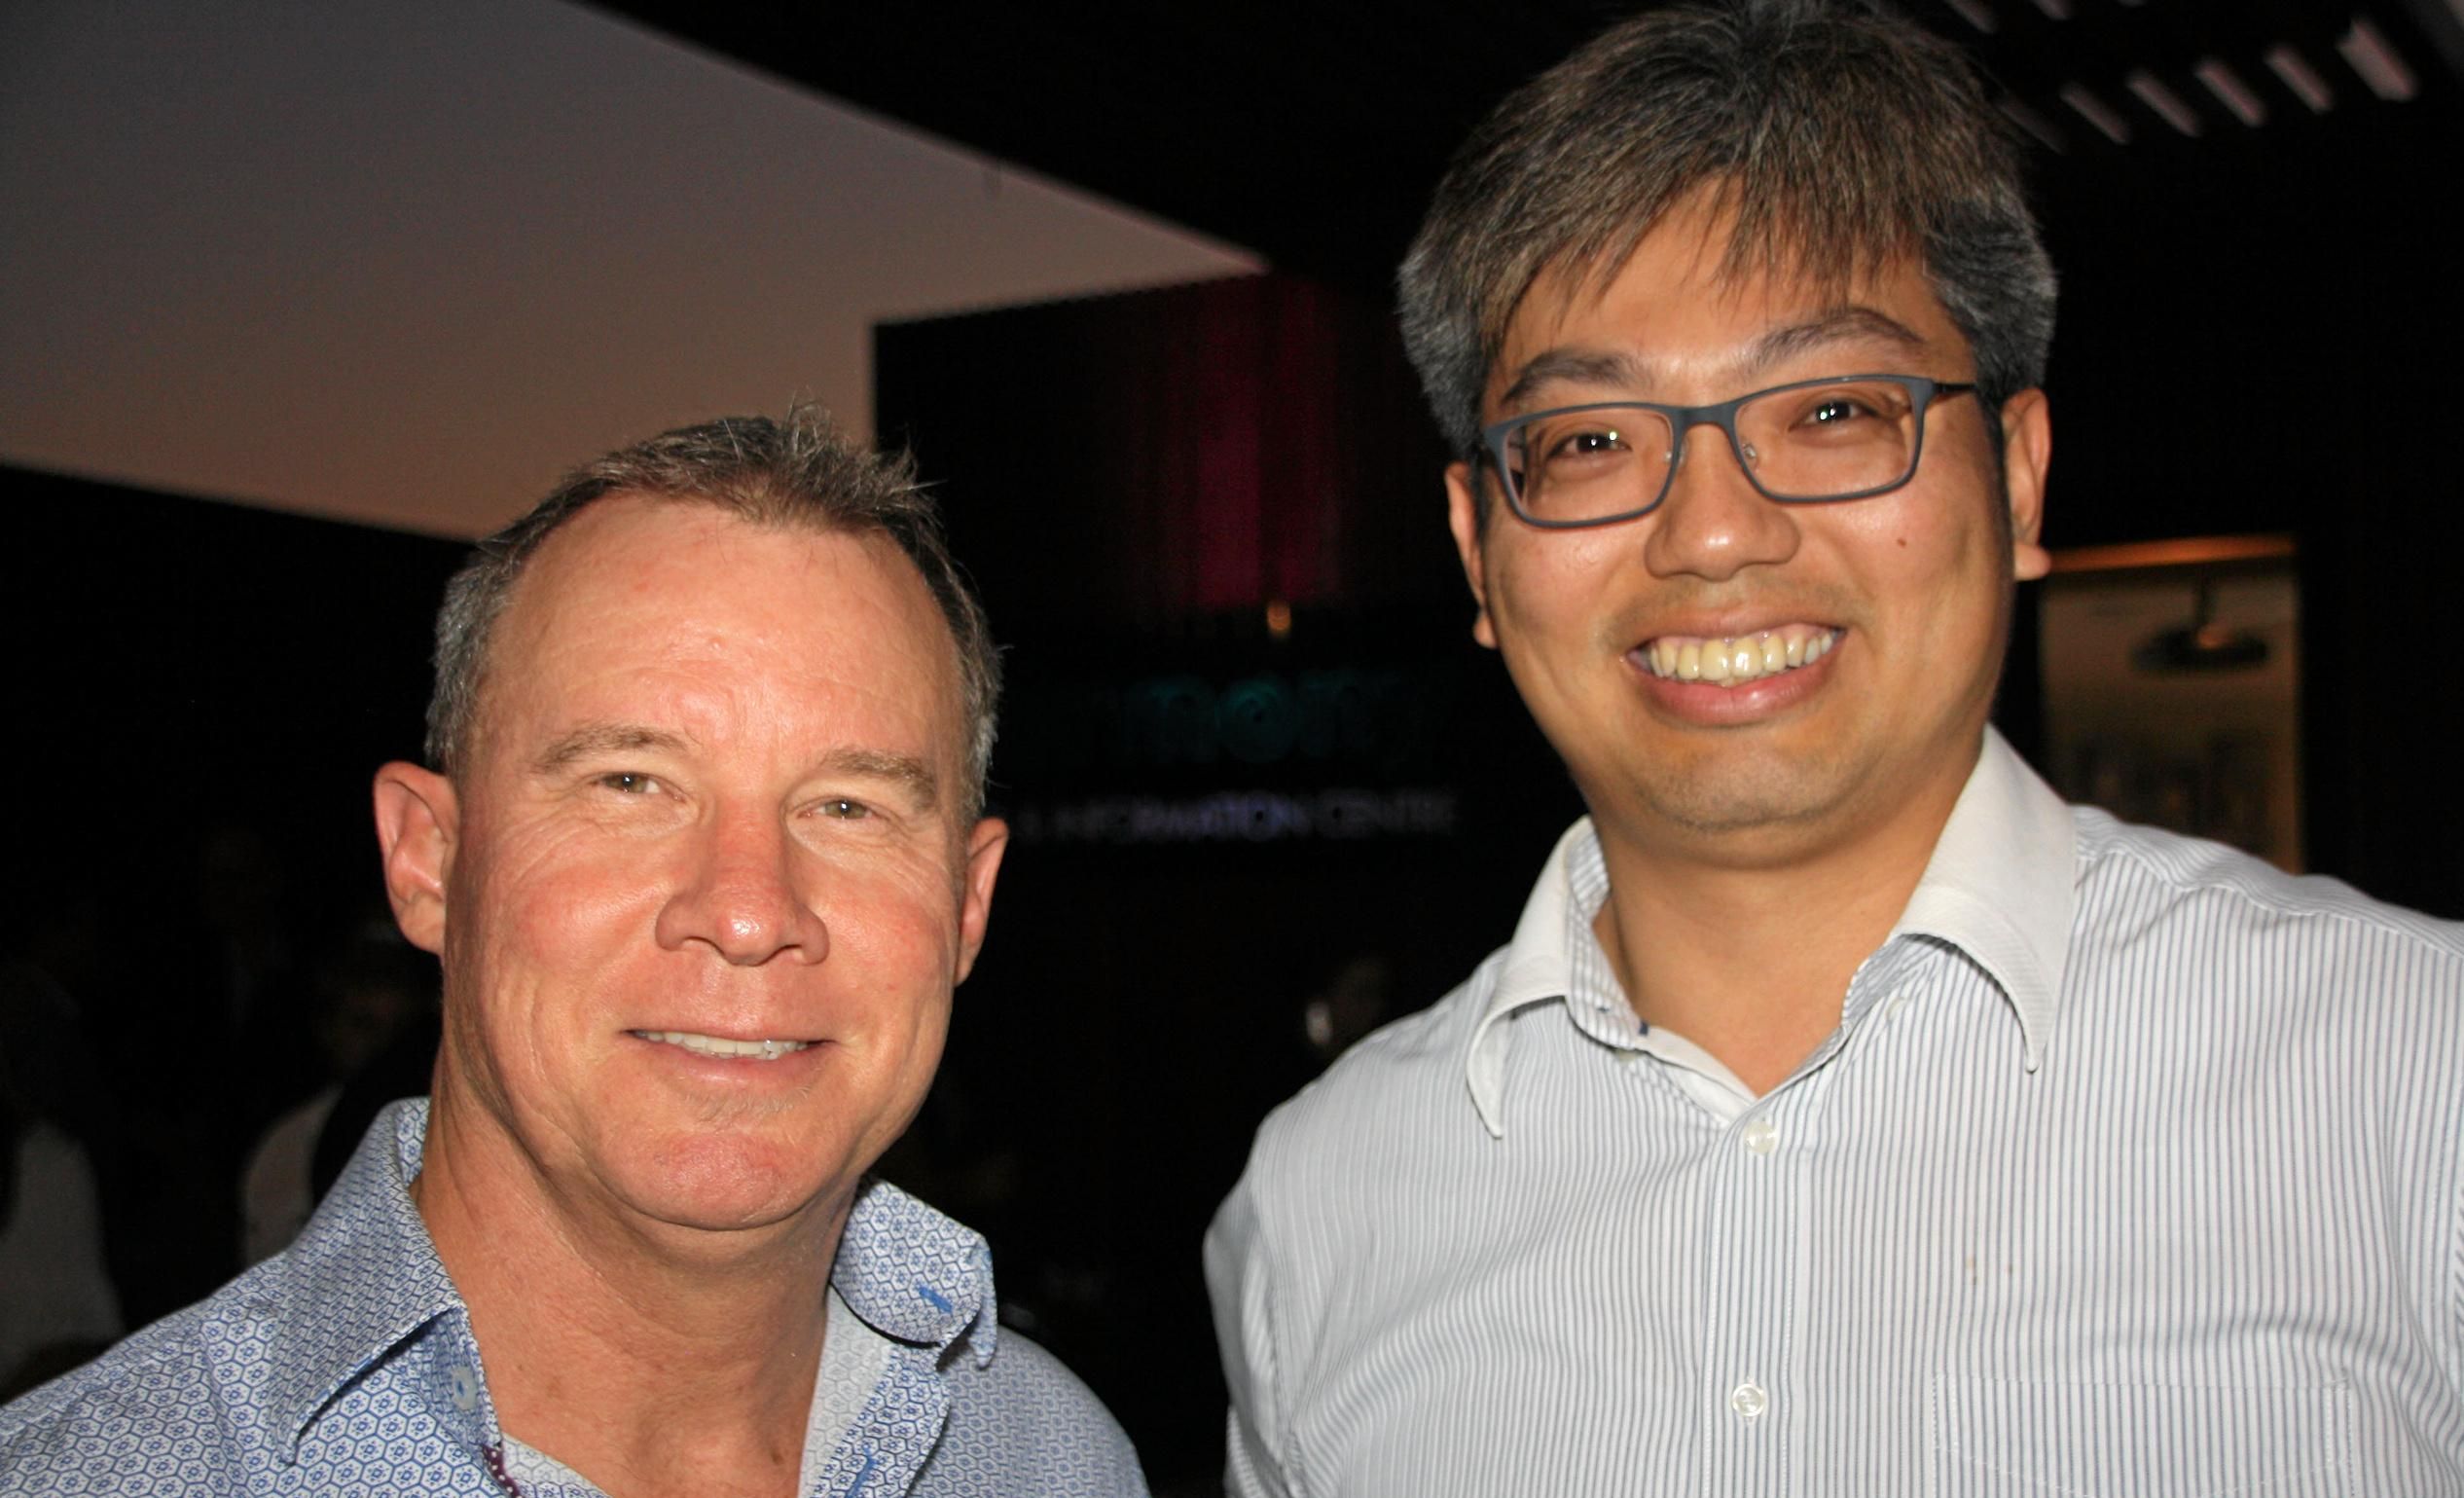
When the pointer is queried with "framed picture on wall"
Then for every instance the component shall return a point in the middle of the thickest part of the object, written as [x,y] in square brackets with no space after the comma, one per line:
[2172,675]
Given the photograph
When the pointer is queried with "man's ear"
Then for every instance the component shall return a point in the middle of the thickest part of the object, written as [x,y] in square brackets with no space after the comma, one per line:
[984,849]
[2027,453]
[1463,517]
[417,820]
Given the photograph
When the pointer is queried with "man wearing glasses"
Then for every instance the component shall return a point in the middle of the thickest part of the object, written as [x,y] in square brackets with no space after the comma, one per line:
[1847,1114]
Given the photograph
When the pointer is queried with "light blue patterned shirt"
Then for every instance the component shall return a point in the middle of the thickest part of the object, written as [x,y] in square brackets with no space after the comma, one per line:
[346,1366]
[2134,1166]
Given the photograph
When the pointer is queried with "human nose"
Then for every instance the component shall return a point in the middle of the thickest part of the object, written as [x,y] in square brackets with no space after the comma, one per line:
[739,897]
[1713,523]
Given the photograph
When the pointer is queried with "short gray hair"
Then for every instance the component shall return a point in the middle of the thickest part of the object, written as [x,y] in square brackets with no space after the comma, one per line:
[1838,136]
[797,473]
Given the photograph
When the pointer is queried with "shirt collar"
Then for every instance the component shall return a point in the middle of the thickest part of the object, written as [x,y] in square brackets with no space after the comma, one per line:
[915,1275]
[2001,887]
[1533,971]
[362,1277]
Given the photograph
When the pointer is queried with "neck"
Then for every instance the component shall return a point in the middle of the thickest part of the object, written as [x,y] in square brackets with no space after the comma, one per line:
[651,1360]
[1751,958]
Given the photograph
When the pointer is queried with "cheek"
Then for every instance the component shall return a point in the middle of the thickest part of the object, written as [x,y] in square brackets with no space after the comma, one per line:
[891,966]
[1930,552]
[902,935]
[557,873]
[545,911]
[1554,585]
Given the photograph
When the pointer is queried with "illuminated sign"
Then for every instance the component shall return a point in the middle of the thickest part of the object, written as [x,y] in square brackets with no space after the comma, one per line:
[1329,754]
[1341,814]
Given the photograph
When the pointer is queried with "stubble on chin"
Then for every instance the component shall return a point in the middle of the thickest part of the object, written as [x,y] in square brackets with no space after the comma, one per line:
[1734,796]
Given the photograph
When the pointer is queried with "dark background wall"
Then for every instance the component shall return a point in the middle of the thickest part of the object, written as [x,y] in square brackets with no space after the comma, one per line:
[199,694]
[2258,346]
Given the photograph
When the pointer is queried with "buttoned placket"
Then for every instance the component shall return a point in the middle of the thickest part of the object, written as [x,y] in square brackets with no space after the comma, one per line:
[1758,1184]
[449,1354]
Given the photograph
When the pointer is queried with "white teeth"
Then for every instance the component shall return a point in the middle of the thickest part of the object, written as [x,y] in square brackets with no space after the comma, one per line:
[720,1045]
[1734,662]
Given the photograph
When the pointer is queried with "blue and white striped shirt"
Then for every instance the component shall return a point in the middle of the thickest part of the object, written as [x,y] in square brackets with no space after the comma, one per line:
[2134,1166]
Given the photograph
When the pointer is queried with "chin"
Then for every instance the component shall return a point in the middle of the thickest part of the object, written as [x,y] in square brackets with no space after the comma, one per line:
[729,1183]
[1738,797]
[1744,834]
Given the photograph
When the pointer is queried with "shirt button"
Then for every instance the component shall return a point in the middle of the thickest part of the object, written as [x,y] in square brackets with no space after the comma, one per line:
[465,1387]
[1899,1002]
[1761,1135]
[1748,1400]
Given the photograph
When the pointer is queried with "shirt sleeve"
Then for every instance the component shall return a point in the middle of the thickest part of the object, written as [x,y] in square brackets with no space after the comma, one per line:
[1237,1283]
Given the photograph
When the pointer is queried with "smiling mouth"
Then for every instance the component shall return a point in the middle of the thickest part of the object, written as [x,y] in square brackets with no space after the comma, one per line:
[1737,660]
[721,1045]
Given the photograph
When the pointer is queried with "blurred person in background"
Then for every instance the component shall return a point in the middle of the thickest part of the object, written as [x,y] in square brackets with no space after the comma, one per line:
[371,991]
[57,1308]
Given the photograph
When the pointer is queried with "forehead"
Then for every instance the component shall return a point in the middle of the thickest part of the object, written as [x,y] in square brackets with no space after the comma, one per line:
[1687,301]
[640,606]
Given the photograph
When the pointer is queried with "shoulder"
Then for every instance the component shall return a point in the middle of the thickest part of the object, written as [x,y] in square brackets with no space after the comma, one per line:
[1418,1058]
[2194,949]
[1390,1111]
[1021,1422]
[1388,1092]
[144,1417]
[2138,881]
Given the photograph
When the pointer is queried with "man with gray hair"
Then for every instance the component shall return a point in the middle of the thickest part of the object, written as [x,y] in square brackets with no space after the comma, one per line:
[1847,1115]
[702,853]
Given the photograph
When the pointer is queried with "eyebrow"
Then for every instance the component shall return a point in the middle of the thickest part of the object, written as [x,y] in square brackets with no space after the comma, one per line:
[1621,369]
[1576,366]
[904,770]
[595,739]
[1838,326]
[592,740]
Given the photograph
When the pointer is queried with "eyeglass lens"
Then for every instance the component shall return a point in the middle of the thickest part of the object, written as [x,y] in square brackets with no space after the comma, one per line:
[1823,442]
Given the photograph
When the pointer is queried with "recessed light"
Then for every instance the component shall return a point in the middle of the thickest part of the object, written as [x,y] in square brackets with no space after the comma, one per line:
[2092,109]
[2297,75]
[2230,91]
[2368,54]
[2164,102]
[1976,14]
[2031,121]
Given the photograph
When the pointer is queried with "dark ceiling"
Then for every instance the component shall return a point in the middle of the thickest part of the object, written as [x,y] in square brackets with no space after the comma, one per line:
[1313,133]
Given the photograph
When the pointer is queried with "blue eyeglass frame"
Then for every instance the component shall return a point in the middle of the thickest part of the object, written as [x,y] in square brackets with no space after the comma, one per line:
[1922,393]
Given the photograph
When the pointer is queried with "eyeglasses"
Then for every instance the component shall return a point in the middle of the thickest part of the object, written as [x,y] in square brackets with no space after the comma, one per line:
[1812,442]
